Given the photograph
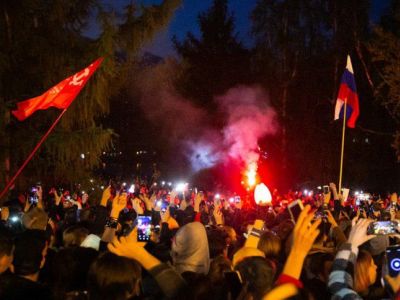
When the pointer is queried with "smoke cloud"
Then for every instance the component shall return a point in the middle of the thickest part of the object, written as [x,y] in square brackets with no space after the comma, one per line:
[247,114]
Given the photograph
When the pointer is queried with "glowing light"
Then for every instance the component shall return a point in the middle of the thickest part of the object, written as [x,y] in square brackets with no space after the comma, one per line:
[14,219]
[262,195]
[251,174]
[102,187]
[162,182]
[180,187]
[231,200]
[305,192]
[159,203]
[132,189]
[217,196]
[83,155]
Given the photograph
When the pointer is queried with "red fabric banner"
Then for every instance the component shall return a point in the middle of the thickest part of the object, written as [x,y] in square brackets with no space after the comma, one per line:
[60,96]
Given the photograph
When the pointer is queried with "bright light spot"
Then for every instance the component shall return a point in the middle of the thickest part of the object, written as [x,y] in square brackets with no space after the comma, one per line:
[251,174]
[83,155]
[132,189]
[262,195]
[242,182]
[102,187]
[83,192]
[180,187]
[159,203]
[91,180]
[310,193]
[169,183]
[357,193]
[231,200]
[14,219]
[162,182]
[319,187]
[217,196]
[305,192]
[155,183]
[124,184]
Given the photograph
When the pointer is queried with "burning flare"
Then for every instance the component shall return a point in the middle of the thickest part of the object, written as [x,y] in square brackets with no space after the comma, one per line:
[251,174]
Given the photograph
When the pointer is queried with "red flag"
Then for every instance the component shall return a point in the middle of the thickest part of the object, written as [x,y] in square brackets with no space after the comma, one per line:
[59,96]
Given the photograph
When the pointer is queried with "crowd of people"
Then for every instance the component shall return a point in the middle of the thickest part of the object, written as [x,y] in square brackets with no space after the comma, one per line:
[153,242]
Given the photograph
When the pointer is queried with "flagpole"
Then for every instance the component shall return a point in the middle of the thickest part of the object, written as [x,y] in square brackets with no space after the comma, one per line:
[44,137]
[342,151]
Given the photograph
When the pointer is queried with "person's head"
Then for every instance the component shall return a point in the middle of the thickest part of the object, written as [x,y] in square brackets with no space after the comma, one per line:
[364,272]
[257,276]
[270,244]
[85,198]
[36,218]
[113,277]
[321,265]
[190,250]
[29,254]
[6,249]
[70,269]
[217,242]
[218,266]
[232,236]
[74,236]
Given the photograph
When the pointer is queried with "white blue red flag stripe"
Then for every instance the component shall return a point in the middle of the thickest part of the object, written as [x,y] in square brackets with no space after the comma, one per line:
[348,93]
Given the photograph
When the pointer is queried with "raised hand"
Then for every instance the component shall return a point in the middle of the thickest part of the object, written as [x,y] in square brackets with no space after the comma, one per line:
[147,201]
[304,235]
[57,197]
[197,200]
[128,246]
[218,216]
[165,215]
[106,196]
[136,205]
[40,196]
[118,204]
[334,190]
[305,232]
[331,219]
[358,234]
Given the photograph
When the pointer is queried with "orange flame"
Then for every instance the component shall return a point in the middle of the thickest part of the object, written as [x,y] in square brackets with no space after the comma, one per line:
[252,174]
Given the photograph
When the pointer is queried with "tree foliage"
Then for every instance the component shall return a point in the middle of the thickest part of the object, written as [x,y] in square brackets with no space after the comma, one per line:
[384,50]
[43,42]
[216,60]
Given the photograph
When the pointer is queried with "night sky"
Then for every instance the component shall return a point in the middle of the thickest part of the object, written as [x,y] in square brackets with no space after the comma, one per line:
[185,20]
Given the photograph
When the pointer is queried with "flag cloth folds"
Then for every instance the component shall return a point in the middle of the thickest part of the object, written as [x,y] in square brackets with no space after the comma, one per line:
[60,96]
[348,94]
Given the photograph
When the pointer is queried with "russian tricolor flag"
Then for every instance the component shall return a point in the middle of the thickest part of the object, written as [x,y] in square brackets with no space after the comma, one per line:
[348,94]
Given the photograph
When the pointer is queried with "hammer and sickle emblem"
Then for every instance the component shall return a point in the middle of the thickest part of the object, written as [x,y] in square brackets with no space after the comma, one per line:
[78,78]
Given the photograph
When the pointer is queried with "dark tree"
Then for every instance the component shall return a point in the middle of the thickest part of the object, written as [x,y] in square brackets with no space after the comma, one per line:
[43,43]
[214,62]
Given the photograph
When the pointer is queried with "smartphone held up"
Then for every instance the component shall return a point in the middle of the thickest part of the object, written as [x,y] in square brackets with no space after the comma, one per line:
[383,228]
[143,228]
